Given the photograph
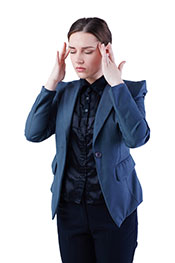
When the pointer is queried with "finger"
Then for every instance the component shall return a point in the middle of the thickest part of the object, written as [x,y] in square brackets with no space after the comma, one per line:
[106,54]
[67,53]
[120,67]
[100,46]
[62,56]
[105,58]
[58,59]
[111,52]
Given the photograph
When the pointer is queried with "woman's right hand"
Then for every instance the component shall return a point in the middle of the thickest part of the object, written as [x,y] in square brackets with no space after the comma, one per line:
[58,72]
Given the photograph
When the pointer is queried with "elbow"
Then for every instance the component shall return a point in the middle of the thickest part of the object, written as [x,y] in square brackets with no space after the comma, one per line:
[27,135]
[138,141]
[31,137]
[28,132]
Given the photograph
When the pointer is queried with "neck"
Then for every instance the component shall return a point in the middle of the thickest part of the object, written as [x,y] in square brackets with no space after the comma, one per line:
[94,78]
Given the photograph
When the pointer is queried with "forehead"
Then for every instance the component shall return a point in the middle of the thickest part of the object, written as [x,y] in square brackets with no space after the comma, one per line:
[82,39]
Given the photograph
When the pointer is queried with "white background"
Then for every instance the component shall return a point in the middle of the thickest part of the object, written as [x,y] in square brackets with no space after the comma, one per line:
[31,33]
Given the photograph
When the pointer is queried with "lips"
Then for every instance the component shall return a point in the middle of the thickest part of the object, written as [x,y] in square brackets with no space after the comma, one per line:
[80,69]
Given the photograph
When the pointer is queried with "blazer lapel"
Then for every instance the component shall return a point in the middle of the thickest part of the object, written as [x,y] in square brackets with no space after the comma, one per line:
[70,97]
[104,107]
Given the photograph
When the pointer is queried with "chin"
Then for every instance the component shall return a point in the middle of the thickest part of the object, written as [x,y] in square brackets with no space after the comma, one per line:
[82,75]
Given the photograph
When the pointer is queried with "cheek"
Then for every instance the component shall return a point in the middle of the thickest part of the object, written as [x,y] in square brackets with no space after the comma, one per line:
[72,59]
[96,61]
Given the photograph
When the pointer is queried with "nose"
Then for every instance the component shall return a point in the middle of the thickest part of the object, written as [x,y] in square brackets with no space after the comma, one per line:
[79,59]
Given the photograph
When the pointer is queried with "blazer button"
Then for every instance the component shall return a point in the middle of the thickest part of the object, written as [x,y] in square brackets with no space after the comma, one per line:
[98,154]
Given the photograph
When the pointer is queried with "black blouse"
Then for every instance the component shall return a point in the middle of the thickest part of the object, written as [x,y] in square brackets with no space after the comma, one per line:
[80,176]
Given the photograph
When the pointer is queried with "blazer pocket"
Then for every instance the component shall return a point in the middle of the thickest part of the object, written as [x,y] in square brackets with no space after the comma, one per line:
[124,168]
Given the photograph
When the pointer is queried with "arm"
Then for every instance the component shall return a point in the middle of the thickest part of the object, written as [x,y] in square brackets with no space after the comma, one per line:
[130,113]
[41,120]
[129,108]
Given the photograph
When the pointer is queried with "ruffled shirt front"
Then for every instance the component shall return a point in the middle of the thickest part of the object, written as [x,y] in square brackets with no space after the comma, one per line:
[80,175]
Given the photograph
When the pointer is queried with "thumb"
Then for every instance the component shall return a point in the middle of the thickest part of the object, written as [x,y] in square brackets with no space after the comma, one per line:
[120,67]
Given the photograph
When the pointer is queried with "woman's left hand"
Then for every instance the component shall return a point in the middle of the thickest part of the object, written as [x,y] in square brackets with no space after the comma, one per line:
[111,72]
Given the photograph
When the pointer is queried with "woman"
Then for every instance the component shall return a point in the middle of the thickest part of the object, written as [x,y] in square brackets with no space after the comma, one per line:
[96,120]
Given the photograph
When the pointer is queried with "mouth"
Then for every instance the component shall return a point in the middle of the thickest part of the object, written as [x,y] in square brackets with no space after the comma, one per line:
[80,69]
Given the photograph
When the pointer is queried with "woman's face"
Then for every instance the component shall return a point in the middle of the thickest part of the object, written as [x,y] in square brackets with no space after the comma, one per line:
[85,56]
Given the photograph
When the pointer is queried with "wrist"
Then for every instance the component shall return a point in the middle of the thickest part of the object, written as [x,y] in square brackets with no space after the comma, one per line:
[117,83]
[51,84]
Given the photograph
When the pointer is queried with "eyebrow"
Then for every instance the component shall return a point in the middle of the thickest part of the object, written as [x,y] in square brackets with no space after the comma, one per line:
[83,47]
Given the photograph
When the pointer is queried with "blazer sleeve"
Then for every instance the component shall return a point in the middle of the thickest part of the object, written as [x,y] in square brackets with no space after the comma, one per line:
[128,101]
[41,121]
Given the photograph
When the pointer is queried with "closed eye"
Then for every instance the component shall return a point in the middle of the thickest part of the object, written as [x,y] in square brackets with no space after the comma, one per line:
[87,52]
[90,52]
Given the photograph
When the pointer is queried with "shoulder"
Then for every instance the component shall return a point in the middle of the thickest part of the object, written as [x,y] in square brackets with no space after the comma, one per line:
[137,88]
[63,87]
[63,84]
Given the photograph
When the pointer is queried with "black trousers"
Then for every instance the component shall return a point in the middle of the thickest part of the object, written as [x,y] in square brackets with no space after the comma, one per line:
[88,234]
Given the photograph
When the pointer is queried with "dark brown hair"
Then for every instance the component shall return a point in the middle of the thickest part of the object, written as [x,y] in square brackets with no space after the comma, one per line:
[94,25]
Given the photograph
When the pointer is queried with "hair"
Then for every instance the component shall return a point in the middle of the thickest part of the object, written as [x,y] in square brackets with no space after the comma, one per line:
[94,25]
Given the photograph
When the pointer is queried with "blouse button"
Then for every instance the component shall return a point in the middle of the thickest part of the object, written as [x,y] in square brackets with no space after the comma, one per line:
[98,154]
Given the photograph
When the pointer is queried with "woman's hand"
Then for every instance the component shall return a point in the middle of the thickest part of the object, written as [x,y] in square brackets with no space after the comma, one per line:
[58,72]
[111,72]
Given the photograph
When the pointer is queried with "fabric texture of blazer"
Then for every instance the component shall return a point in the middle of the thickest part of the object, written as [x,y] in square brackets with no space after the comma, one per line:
[120,124]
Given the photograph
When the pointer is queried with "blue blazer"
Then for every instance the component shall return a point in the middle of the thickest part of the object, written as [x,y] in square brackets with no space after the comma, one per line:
[120,124]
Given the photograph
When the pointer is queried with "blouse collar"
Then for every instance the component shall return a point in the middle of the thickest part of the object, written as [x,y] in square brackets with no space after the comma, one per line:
[98,85]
